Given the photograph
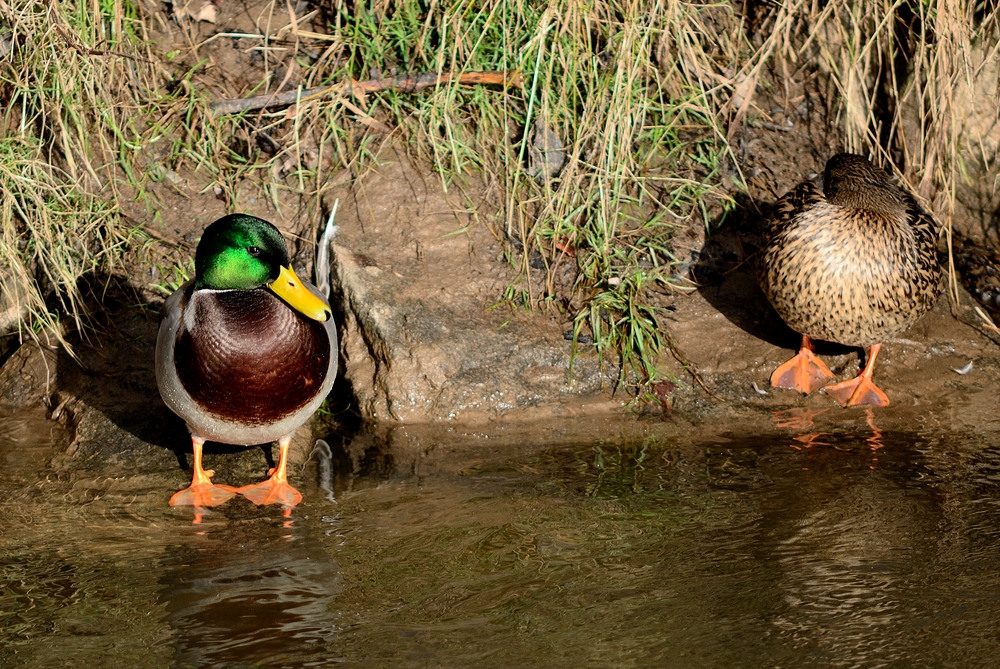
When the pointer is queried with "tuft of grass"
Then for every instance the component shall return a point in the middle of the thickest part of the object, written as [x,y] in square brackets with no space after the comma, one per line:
[72,75]
[53,234]
[622,85]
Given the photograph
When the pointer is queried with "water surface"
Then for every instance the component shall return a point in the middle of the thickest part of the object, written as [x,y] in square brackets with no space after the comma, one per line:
[820,540]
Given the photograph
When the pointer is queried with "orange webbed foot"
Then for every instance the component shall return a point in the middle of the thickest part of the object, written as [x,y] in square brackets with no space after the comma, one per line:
[271,492]
[203,494]
[804,373]
[276,489]
[860,390]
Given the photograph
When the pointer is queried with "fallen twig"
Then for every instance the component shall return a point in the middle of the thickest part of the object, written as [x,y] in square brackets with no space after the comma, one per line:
[407,83]
[690,369]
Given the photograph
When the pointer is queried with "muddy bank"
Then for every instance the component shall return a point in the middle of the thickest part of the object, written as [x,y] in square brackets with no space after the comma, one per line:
[417,280]
[427,362]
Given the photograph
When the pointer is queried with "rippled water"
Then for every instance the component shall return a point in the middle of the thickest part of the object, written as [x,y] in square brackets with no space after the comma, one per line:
[802,539]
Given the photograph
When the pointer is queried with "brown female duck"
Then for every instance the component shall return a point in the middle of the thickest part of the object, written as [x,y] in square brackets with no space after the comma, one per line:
[853,264]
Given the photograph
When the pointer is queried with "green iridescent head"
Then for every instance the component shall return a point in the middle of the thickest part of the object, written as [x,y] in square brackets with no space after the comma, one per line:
[239,252]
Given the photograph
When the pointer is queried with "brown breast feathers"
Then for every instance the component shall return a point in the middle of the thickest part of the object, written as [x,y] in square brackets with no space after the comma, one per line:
[250,358]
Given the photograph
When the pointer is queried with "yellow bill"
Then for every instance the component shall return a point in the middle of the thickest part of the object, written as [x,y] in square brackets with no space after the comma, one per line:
[290,288]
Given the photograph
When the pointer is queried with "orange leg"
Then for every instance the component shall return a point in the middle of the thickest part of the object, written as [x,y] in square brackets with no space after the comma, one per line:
[861,389]
[276,489]
[202,492]
[804,373]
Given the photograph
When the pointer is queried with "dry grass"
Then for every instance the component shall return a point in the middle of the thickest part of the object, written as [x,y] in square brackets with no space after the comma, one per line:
[53,234]
[72,76]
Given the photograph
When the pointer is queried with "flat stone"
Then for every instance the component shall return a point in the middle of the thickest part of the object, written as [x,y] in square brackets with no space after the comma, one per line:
[417,280]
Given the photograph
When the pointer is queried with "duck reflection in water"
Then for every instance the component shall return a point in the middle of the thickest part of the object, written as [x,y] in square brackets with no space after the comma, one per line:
[251,592]
[801,419]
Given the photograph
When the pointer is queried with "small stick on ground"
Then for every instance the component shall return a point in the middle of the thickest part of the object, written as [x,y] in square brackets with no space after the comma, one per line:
[689,368]
[407,83]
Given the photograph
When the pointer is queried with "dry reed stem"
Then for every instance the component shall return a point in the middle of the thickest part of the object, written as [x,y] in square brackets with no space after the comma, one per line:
[406,83]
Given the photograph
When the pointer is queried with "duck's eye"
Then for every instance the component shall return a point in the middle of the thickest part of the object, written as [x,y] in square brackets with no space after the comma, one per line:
[254,251]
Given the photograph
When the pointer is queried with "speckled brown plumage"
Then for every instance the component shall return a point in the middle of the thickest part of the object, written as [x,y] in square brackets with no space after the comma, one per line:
[853,264]
[248,358]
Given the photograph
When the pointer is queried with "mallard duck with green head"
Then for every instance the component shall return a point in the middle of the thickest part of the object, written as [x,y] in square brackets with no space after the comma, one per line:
[246,353]
[855,264]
